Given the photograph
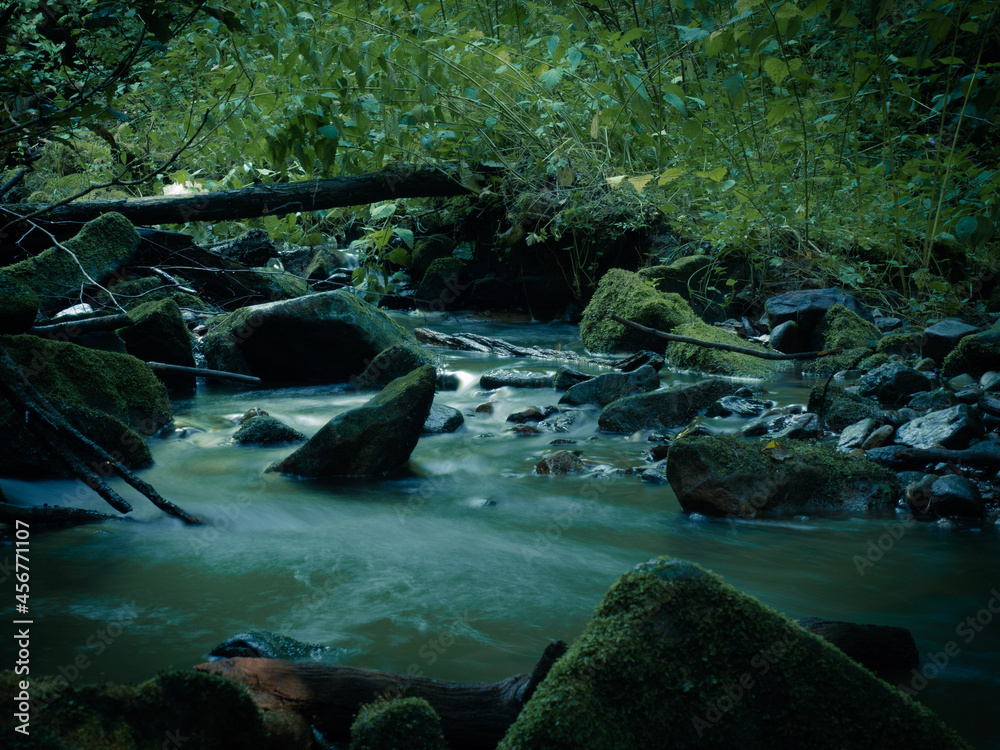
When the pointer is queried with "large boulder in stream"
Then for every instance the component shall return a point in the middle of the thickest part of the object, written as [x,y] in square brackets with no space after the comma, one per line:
[612,386]
[667,407]
[374,438]
[319,338]
[158,334]
[113,399]
[673,657]
[725,475]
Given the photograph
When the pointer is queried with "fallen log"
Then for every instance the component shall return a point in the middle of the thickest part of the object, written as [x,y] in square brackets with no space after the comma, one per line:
[86,325]
[51,515]
[902,457]
[474,715]
[202,372]
[272,199]
[723,347]
[473,342]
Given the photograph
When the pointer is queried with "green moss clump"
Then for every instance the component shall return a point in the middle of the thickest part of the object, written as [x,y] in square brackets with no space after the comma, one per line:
[400,724]
[444,284]
[18,305]
[392,363]
[674,657]
[975,354]
[276,285]
[875,360]
[716,361]
[899,343]
[158,334]
[427,250]
[136,292]
[838,407]
[843,329]
[203,709]
[629,296]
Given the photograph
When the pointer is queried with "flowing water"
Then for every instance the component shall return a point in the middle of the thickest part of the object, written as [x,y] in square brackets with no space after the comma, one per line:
[468,564]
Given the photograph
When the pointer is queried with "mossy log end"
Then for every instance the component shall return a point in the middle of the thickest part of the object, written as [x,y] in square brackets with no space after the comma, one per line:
[473,715]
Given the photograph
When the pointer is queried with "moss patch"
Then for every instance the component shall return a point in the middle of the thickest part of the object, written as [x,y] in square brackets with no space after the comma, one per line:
[102,247]
[629,296]
[444,285]
[840,408]
[716,361]
[674,657]
[265,430]
[18,305]
[204,709]
[401,724]
[135,292]
[974,354]
[843,329]
[158,334]
[905,344]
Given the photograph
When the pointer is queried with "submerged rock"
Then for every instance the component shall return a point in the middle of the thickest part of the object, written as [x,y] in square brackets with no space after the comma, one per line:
[531,414]
[372,439]
[443,418]
[612,386]
[203,710]
[320,338]
[667,407]
[399,724]
[674,657]
[724,475]
[560,462]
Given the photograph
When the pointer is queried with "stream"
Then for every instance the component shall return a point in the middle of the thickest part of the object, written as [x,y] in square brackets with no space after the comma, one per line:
[468,564]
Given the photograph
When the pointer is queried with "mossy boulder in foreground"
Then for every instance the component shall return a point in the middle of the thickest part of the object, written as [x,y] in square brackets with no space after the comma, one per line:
[401,724]
[726,475]
[158,334]
[113,399]
[320,338]
[629,296]
[374,438]
[718,361]
[673,657]
[181,709]
[975,355]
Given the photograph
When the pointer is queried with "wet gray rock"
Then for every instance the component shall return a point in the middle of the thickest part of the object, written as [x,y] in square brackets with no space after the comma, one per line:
[566,377]
[893,382]
[742,404]
[612,386]
[940,338]
[668,407]
[807,306]
[785,338]
[886,323]
[265,430]
[939,398]
[635,361]
[854,435]
[532,414]
[502,377]
[372,439]
[951,428]
[798,427]
[263,644]
[443,418]
[392,363]
[560,462]
[879,437]
[955,496]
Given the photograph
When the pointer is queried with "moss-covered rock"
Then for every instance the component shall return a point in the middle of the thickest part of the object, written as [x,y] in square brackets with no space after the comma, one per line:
[427,250]
[629,296]
[840,408]
[667,407]
[158,334]
[135,292]
[265,430]
[726,475]
[673,657]
[400,724]
[18,305]
[275,285]
[101,247]
[180,709]
[113,399]
[320,338]
[392,363]
[903,343]
[444,285]
[717,361]
[975,355]
[840,328]
[372,439]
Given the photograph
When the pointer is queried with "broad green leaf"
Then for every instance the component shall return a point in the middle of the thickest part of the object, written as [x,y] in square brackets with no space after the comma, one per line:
[399,256]
[640,182]
[671,174]
[715,175]
[329,131]
[675,101]
[689,34]
[692,128]
[776,69]
[551,77]
[382,212]
[406,235]
[815,8]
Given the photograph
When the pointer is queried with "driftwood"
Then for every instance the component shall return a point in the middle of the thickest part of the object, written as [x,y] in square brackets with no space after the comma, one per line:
[900,458]
[272,199]
[203,372]
[86,325]
[66,443]
[474,715]
[51,515]
[723,347]
[473,342]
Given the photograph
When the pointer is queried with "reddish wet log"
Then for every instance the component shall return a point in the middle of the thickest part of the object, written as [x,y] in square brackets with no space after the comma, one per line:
[473,715]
